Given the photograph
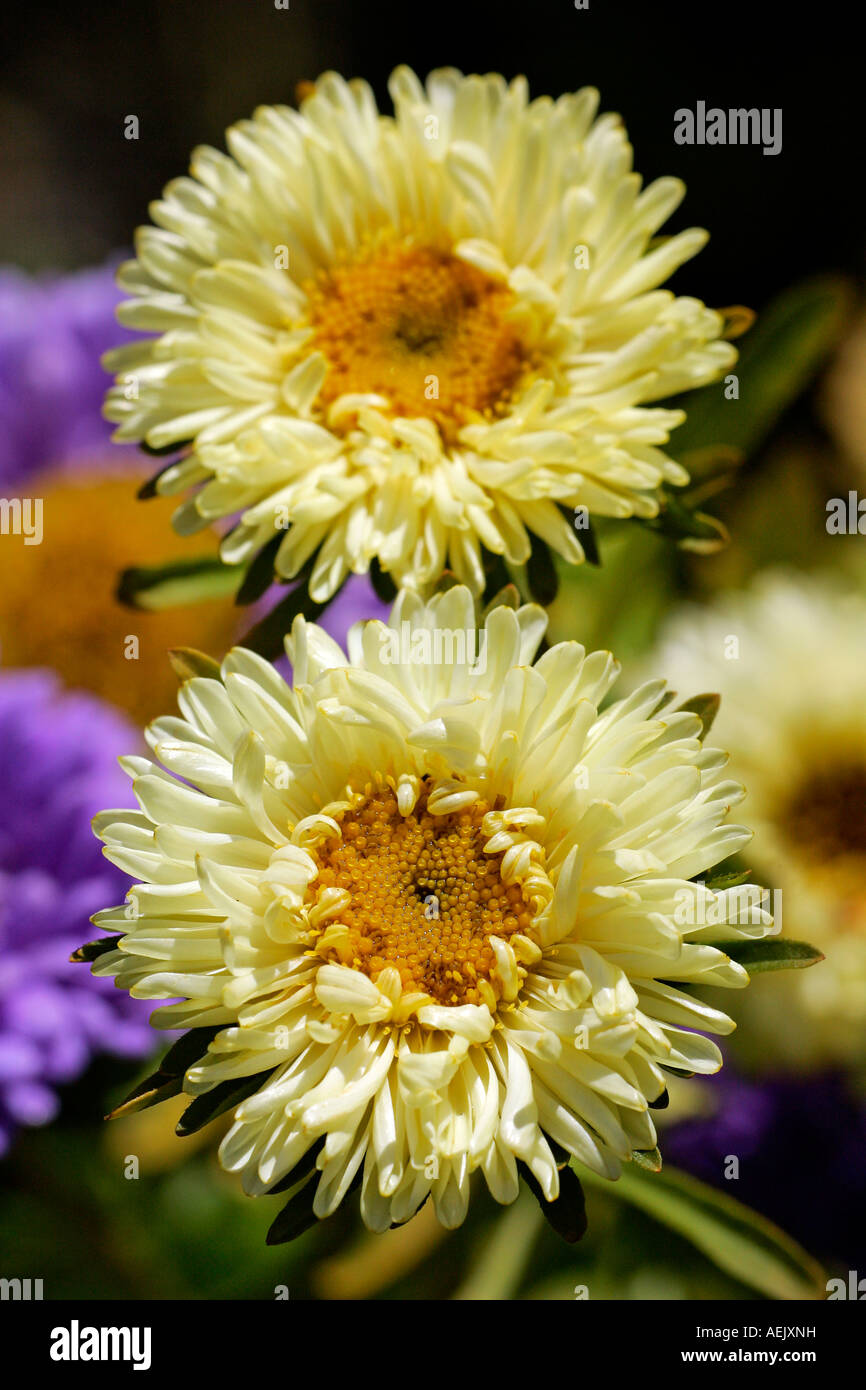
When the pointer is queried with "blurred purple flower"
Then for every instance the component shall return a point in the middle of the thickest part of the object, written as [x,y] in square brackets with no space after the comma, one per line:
[356,600]
[801,1145]
[57,769]
[53,330]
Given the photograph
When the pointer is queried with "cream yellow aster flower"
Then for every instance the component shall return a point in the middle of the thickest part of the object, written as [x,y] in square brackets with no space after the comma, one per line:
[427,903]
[410,337]
[789,658]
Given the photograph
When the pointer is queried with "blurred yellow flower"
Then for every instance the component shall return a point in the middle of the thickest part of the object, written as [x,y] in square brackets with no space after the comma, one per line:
[57,599]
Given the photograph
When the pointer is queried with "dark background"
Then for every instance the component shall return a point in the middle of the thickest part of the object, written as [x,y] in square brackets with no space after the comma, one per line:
[74,187]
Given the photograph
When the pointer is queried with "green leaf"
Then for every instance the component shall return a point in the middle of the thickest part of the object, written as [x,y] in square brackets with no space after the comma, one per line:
[92,950]
[589,542]
[567,1213]
[497,576]
[447,581]
[260,575]
[167,1080]
[735,1238]
[162,451]
[506,597]
[650,1159]
[189,1049]
[268,635]
[296,1216]
[194,580]
[772,953]
[541,573]
[187,662]
[154,1089]
[660,1103]
[664,700]
[383,585]
[690,529]
[213,1103]
[302,1169]
[717,883]
[779,357]
[706,707]
[585,533]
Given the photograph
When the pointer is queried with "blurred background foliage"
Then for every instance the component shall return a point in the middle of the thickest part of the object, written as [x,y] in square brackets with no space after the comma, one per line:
[787,240]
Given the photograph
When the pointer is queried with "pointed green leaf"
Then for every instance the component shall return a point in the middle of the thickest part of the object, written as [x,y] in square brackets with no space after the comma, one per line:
[717,883]
[260,575]
[296,1216]
[92,950]
[666,699]
[541,574]
[507,597]
[383,585]
[650,1159]
[213,1103]
[566,1214]
[447,580]
[706,707]
[302,1169]
[268,636]
[585,533]
[772,953]
[690,529]
[193,580]
[187,662]
[188,1049]
[660,1103]
[163,450]
[154,1089]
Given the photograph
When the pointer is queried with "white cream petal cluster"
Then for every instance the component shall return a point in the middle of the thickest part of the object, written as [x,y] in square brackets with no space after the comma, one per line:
[788,657]
[604,813]
[538,196]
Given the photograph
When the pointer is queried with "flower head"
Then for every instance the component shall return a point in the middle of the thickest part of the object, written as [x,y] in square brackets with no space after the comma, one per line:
[409,338]
[788,658]
[57,766]
[426,906]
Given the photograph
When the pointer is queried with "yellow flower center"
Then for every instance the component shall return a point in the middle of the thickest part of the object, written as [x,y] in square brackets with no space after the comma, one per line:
[424,898]
[422,328]
[59,607]
[827,816]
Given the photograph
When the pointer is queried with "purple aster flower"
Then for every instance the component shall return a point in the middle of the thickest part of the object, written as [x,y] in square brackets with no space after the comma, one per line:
[53,331]
[57,769]
[801,1146]
[356,600]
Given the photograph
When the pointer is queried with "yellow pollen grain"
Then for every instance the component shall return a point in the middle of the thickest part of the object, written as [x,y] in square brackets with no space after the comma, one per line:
[422,328]
[424,897]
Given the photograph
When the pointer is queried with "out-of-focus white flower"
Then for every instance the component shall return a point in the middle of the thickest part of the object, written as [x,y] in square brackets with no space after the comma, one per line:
[789,660]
